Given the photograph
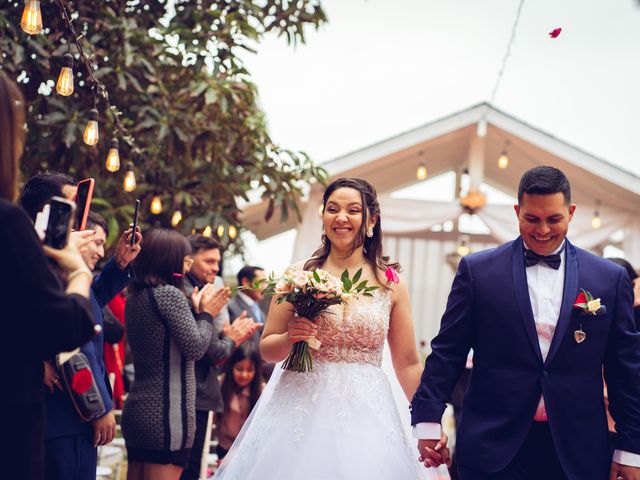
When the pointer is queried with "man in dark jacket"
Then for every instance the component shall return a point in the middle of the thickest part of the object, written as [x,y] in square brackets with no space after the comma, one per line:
[206,255]
[71,444]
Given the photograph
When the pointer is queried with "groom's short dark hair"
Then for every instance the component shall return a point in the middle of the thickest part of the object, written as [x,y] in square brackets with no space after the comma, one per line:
[544,181]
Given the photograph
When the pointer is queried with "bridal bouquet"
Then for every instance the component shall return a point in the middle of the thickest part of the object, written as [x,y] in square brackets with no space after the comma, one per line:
[310,293]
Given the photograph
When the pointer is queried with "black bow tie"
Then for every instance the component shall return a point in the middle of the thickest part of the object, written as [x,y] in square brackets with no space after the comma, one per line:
[531,258]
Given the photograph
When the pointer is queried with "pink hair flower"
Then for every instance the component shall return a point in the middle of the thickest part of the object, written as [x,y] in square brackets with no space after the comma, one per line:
[555,32]
[392,275]
[177,275]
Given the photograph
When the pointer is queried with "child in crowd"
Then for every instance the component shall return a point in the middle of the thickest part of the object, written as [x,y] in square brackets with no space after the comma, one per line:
[241,388]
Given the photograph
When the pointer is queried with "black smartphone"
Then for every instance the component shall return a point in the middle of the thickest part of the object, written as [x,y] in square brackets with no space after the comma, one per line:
[135,222]
[61,216]
[83,202]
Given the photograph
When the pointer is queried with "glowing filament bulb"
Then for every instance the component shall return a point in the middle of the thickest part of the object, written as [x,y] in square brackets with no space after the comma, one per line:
[233,232]
[596,221]
[156,205]
[113,160]
[91,133]
[421,172]
[31,21]
[176,218]
[207,231]
[220,230]
[129,183]
[64,86]
[503,161]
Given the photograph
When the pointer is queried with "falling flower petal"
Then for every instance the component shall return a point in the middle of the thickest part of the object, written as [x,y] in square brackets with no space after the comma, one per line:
[555,32]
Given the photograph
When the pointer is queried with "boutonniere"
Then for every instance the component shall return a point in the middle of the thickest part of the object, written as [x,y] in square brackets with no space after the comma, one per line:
[588,304]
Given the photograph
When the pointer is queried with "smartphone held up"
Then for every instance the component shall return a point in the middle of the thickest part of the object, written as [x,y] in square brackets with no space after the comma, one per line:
[59,222]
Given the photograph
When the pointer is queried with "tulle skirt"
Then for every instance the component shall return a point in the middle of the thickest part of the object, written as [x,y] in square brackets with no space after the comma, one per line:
[338,422]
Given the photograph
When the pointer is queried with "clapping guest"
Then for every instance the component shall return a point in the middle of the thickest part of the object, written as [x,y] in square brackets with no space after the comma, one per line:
[40,319]
[158,419]
[206,256]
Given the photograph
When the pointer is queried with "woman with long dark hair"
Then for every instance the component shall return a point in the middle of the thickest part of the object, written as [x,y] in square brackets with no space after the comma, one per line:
[39,319]
[158,419]
[340,420]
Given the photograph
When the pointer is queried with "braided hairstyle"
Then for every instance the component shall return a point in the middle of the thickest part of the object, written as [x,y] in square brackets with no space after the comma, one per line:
[372,245]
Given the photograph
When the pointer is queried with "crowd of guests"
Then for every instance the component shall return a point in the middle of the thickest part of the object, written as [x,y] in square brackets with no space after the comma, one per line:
[158,302]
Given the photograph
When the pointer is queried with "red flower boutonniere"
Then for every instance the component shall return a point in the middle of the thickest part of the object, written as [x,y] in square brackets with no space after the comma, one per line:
[392,275]
[588,304]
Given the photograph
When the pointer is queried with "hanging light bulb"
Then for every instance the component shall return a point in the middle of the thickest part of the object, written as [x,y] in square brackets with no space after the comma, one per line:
[156,205]
[596,221]
[31,21]
[113,159]
[65,80]
[207,231]
[91,132]
[129,183]
[176,218]
[233,232]
[220,230]
[463,249]
[503,161]
[421,172]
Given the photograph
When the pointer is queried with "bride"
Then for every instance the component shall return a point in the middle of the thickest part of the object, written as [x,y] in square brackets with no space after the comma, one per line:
[338,421]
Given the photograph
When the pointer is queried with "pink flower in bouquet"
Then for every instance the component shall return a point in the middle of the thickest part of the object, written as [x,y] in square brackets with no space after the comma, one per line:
[283,287]
[392,275]
[300,279]
[555,32]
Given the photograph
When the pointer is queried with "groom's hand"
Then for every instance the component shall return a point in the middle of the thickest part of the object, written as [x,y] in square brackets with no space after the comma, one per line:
[434,453]
[625,472]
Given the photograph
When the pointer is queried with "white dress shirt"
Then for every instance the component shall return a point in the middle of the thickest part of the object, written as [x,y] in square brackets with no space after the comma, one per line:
[546,287]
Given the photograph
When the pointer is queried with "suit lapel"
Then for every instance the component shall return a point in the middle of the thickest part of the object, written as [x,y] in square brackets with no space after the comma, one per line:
[569,294]
[522,296]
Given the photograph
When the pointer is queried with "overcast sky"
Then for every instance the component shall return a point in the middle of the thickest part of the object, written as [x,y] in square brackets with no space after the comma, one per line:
[381,67]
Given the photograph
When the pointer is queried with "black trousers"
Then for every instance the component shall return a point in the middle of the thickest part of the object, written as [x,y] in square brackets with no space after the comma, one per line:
[22,441]
[192,472]
[536,460]
[72,457]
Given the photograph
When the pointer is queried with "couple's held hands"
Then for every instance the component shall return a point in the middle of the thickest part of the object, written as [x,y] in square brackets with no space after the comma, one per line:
[210,299]
[624,472]
[242,329]
[434,453]
[301,329]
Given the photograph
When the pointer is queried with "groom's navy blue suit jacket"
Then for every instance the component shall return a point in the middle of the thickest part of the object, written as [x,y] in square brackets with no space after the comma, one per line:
[489,310]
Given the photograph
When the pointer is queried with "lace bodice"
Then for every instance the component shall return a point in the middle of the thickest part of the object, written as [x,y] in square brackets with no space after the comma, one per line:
[355,332]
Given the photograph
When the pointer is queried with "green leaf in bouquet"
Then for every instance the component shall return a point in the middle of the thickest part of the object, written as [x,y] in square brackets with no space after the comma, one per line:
[316,277]
[347,284]
[357,276]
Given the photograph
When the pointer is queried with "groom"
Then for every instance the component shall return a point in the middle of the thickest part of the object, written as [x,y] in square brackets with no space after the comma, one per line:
[534,408]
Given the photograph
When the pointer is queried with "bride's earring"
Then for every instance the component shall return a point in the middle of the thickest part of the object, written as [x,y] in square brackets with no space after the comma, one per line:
[370,232]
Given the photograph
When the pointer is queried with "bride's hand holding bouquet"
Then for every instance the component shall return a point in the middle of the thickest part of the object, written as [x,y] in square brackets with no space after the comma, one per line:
[311,293]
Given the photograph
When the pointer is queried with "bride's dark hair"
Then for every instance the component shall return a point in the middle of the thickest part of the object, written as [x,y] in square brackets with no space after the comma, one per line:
[372,245]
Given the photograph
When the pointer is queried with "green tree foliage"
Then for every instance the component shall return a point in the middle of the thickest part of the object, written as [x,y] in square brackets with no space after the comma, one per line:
[192,127]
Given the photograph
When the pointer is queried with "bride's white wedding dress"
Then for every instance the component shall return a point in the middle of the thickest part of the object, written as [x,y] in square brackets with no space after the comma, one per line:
[339,421]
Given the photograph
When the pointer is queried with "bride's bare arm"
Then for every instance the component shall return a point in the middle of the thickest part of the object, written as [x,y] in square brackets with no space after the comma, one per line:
[282,330]
[402,342]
